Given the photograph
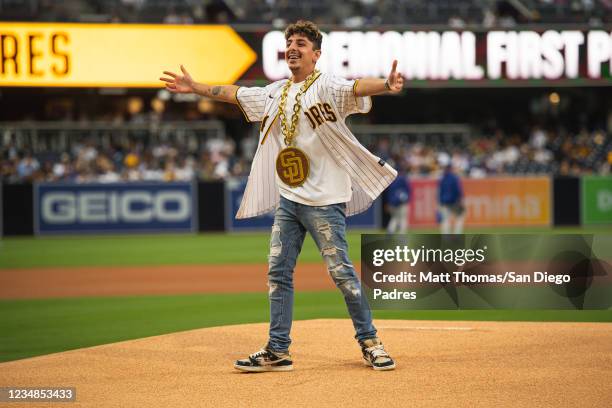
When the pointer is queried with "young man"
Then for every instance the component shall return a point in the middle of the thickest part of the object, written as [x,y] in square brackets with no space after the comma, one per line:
[313,172]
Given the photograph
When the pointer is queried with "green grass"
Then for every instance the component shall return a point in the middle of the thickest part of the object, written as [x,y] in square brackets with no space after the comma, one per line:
[35,327]
[221,248]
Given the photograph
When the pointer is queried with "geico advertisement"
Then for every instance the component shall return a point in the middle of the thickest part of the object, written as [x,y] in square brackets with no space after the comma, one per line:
[448,55]
[503,201]
[129,207]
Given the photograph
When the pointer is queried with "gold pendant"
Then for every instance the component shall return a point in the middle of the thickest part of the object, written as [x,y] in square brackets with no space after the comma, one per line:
[292,166]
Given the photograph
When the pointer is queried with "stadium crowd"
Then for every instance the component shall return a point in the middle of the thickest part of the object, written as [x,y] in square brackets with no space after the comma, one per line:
[219,158]
[350,13]
[541,152]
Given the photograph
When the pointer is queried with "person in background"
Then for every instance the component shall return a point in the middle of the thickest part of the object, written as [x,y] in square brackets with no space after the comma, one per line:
[450,199]
[397,197]
[27,167]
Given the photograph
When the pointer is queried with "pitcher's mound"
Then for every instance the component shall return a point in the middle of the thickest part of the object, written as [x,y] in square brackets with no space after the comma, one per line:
[438,364]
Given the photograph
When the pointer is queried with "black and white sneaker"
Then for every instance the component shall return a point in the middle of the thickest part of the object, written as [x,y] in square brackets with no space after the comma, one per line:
[265,360]
[375,356]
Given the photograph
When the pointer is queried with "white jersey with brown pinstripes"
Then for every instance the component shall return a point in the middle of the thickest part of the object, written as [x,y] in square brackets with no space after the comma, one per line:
[325,106]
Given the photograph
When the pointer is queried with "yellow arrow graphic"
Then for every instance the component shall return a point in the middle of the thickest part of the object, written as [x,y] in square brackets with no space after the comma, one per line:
[118,55]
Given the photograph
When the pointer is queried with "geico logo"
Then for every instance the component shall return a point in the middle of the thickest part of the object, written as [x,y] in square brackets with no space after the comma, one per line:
[98,207]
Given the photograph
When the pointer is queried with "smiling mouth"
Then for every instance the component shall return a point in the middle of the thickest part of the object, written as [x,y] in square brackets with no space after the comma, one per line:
[293,58]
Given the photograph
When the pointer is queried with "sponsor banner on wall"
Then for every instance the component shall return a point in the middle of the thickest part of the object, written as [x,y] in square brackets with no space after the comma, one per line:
[597,200]
[129,207]
[503,201]
[234,189]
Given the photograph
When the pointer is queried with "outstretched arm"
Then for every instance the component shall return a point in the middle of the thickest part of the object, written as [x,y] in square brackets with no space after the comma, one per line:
[374,86]
[185,84]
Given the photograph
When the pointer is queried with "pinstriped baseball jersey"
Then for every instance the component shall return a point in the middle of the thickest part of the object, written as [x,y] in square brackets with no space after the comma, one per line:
[325,106]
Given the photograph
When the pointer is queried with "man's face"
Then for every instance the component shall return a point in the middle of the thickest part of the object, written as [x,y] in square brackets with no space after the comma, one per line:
[299,53]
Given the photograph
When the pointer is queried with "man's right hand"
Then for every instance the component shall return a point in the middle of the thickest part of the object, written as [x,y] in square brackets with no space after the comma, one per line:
[176,83]
[179,83]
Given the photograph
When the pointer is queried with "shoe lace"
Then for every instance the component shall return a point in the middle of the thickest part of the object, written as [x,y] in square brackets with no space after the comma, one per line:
[260,353]
[377,351]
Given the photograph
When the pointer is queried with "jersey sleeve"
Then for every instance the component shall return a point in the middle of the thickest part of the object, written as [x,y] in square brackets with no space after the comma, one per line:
[343,93]
[252,102]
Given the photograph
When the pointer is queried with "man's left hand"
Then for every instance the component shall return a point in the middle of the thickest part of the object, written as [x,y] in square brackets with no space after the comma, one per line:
[395,79]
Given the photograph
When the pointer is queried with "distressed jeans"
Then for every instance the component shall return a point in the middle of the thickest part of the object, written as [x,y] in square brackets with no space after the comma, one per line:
[327,226]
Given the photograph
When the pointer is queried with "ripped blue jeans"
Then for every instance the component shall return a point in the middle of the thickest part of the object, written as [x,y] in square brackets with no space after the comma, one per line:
[327,225]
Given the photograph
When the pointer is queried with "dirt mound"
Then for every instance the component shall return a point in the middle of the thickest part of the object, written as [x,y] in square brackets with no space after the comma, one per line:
[438,364]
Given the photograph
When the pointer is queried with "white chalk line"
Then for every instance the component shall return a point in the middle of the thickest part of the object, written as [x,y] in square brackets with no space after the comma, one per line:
[450,328]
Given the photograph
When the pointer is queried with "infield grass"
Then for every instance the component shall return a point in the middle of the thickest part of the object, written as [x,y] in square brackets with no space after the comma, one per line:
[35,327]
[220,248]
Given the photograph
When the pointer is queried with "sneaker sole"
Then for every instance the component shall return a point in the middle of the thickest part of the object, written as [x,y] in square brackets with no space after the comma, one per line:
[386,368]
[263,369]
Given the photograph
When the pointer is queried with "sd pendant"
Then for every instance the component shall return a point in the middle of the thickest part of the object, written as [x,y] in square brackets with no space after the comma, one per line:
[292,166]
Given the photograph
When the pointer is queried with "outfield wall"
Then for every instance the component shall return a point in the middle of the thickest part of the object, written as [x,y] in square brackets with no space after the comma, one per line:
[52,208]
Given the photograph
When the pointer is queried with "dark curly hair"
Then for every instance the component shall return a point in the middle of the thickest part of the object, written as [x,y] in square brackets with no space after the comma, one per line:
[308,29]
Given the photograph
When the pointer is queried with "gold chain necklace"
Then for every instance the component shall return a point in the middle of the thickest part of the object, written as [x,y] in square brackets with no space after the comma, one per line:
[289,133]
[292,165]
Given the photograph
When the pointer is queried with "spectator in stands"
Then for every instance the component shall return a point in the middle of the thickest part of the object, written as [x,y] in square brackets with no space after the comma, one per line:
[169,171]
[541,151]
[62,170]
[206,168]
[456,22]
[8,171]
[489,20]
[172,17]
[27,167]
[185,169]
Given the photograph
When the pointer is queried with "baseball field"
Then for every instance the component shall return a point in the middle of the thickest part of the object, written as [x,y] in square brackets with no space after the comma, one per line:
[117,316]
